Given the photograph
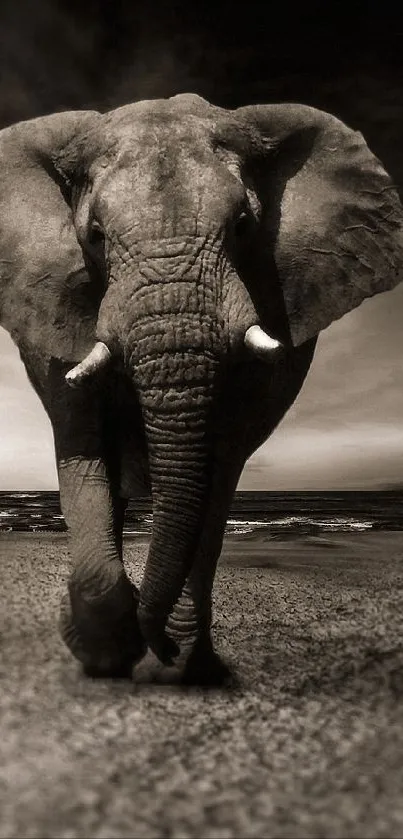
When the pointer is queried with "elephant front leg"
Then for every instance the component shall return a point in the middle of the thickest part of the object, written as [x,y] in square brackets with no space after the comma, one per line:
[98,619]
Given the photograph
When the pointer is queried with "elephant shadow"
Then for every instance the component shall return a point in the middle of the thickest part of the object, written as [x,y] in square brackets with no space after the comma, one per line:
[347,669]
[351,668]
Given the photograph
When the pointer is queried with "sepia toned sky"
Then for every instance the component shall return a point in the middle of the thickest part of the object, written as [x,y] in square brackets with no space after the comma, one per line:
[346,428]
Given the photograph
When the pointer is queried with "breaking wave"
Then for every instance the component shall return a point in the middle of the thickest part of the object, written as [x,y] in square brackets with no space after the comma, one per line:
[274,514]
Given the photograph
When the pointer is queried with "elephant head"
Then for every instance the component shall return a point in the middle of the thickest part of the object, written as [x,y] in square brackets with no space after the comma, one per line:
[170,238]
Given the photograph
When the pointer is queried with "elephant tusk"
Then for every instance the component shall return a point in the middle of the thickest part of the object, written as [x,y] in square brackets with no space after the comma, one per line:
[260,342]
[96,360]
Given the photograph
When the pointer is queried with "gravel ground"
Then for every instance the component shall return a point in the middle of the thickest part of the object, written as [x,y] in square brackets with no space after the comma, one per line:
[309,745]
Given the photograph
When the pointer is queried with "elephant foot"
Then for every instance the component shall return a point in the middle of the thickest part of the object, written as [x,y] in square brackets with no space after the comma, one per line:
[207,670]
[106,643]
[197,665]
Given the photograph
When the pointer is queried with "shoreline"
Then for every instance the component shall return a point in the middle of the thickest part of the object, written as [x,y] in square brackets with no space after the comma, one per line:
[252,549]
[236,538]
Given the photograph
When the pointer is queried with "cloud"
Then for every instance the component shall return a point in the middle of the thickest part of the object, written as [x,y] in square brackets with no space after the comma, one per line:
[361,456]
[26,440]
[346,426]
[48,59]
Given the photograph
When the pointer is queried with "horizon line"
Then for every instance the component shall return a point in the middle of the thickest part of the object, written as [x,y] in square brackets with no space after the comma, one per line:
[381,488]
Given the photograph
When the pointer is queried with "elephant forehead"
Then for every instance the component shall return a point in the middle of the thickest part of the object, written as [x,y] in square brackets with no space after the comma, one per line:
[171,127]
[135,128]
[168,163]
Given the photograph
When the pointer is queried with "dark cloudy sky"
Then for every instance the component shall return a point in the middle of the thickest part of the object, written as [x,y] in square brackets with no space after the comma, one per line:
[346,428]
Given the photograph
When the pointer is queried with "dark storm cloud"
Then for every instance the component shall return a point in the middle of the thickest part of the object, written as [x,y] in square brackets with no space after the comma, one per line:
[56,55]
[45,59]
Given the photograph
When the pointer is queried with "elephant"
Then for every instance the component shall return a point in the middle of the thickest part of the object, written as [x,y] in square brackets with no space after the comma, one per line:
[166,268]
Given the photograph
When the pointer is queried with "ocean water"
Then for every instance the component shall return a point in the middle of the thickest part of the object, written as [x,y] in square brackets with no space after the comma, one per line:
[277,514]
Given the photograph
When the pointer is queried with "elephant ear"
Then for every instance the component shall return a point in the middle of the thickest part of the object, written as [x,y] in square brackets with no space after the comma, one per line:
[333,215]
[49,297]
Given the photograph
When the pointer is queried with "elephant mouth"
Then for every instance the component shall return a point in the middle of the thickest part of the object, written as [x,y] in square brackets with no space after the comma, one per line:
[256,340]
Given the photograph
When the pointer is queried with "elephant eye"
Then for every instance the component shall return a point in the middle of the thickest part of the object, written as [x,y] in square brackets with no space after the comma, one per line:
[243,224]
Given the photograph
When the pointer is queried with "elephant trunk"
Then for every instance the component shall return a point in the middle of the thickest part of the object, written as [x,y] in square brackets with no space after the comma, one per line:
[175,386]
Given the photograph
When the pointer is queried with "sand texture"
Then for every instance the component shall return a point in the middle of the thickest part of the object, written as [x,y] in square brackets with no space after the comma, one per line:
[309,745]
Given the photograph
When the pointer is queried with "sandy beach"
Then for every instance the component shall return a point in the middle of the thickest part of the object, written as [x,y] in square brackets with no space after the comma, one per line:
[309,745]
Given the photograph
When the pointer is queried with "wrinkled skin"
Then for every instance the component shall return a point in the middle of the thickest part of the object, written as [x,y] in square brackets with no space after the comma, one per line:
[163,231]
